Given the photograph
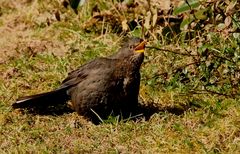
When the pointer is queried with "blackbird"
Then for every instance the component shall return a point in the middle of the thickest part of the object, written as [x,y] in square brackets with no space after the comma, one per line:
[101,87]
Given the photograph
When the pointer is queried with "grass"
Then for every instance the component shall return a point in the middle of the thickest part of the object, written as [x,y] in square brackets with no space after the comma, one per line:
[38,57]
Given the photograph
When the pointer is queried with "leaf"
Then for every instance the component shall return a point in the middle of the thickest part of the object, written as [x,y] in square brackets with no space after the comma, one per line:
[227,21]
[184,24]
[236,35]
[220,26]
[185,7]
[147,20]
[154,18]
[124,25]
[200,14]
[137,32]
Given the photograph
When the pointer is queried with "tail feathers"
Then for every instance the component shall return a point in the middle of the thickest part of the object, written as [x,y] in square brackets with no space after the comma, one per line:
[58,96]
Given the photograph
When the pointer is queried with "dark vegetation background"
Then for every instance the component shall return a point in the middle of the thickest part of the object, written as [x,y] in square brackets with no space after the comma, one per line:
[191,74]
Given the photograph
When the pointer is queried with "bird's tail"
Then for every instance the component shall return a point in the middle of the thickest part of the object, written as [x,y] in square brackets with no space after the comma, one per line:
[58,96]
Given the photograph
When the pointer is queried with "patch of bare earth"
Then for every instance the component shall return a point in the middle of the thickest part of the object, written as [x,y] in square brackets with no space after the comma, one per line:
[19,24]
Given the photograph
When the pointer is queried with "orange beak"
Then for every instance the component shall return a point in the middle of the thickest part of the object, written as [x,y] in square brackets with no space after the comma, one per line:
[141,46]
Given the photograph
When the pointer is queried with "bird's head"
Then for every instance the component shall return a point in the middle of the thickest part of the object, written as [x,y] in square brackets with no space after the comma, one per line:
[132,53]
[132,47]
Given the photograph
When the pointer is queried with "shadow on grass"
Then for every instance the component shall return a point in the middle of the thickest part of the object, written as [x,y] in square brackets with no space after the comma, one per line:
[141,112]
[148,111]
[56,110]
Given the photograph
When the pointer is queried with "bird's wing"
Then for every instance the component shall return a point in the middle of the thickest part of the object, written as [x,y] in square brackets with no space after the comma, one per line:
[85,70]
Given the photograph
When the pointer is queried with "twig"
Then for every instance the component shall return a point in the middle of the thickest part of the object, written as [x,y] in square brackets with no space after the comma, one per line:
[206,91]
[220,57]
[156,75]
[217,93]
[167,50]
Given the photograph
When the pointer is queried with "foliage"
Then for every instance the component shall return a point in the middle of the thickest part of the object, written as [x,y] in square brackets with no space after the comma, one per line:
[211,28]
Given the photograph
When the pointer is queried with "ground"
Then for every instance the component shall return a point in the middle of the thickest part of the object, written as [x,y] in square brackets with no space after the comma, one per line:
[36,53]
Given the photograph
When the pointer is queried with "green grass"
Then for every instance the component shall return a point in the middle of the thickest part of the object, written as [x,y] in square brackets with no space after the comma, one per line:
[41,59]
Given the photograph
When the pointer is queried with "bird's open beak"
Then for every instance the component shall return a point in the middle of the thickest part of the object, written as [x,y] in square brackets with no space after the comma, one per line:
[140,47]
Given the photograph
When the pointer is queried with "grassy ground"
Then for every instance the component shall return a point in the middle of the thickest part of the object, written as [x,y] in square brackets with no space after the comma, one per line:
[37,52]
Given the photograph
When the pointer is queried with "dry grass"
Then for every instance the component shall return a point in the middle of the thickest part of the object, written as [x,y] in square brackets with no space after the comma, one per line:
[35,57]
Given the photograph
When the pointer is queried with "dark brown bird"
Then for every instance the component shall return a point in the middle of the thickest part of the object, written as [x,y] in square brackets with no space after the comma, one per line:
[103,86]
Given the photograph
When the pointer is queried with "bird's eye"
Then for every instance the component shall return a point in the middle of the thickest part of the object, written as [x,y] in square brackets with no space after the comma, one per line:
[131,46]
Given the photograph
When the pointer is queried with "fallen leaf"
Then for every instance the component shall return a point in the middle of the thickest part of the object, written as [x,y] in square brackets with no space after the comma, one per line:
[124,25]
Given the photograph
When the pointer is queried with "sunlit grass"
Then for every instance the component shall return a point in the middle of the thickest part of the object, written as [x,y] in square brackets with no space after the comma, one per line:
[207,123]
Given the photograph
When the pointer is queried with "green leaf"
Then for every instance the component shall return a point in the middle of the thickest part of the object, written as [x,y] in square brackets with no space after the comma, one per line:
[186,6]
[201,15]
[186,22]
